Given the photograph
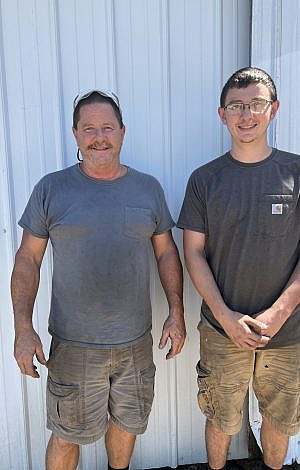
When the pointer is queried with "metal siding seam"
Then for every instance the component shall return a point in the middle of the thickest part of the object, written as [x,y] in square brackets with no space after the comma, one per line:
[60,150]
[16,456]
[170,191]
[111,41]
[269,31]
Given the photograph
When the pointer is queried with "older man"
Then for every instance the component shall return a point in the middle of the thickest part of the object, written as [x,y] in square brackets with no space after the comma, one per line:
[101,217]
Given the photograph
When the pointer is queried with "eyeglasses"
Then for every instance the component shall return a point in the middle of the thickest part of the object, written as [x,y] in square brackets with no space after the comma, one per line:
[255,106]
[105,94]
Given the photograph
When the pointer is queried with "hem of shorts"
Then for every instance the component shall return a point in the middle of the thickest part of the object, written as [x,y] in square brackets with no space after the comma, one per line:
[284,429]
[233,429]
[75,440]
[128,429]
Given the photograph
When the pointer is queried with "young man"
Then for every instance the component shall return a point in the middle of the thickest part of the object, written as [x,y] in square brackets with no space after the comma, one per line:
[101,217]
[241,224]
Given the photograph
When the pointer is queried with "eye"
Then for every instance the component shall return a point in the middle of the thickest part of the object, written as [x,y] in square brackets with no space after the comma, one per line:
[89,129]
[257,106]
[235,106]
[108,128]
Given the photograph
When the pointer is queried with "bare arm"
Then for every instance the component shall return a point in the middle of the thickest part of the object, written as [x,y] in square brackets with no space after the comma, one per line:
[237,326]
[275,316]
[24,286]
[170,273]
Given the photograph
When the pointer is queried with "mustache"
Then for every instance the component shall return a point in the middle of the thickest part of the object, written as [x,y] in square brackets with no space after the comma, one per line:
[98,145]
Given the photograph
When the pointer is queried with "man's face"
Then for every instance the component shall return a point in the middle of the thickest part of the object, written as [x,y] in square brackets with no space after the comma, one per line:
[98,134]
[247,126]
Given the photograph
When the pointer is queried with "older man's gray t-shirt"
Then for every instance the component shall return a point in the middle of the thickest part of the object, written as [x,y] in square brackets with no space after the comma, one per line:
[100,233]
[250,215]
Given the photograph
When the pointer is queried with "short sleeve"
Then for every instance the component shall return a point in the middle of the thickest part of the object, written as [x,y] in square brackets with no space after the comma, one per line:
[193,212]
[34,218]
[164,221]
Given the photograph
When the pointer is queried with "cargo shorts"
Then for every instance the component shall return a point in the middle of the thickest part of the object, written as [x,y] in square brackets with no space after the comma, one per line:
[224,372]
[85,386]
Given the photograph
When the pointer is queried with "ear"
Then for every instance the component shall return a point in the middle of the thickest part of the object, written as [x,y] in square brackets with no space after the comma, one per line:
[222,115]
[74,132]
[123,131]
[274,110]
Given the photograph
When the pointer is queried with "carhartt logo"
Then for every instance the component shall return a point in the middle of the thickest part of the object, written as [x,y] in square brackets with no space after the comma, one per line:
[277,208]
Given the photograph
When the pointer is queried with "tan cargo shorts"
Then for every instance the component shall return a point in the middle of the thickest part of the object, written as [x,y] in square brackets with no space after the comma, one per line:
[224,372]
[86,385]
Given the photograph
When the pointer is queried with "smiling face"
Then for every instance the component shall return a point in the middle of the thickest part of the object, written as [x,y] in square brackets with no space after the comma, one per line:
[248,127]
[99,136]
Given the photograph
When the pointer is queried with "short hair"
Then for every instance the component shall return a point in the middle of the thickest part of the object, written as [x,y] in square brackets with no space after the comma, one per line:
[245,77]
[95,97]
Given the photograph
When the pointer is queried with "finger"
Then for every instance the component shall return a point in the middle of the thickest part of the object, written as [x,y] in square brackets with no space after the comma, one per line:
[40,355]
[252,335]
[264,340]
[171,352]
[164,338]
[179,343]
[255,324]
[30,368]
[22,367]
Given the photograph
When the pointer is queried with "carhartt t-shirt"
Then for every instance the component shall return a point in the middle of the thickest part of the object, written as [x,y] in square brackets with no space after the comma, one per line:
[250,216]
[100,233]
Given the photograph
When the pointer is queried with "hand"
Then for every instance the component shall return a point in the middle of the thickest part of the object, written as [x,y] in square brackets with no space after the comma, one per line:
[174,328]
[244,331]
[272,320]
[28,345]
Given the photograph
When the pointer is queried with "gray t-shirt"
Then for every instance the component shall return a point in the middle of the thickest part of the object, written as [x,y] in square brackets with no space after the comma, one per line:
[100,233]
[250,215]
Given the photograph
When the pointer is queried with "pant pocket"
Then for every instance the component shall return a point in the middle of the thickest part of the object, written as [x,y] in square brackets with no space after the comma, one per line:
[63,403]
[205,399]
[147,377]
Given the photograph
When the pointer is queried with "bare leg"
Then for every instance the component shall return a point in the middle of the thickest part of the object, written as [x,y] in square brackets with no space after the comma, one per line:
[217,445]
[119,446]
[274,444]
[61,454]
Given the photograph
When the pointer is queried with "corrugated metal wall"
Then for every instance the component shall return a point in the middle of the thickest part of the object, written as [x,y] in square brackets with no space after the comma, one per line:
[167,60]
[276,48]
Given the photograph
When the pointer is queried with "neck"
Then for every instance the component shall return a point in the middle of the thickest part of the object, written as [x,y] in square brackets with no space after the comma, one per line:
[247,153]
[103,172]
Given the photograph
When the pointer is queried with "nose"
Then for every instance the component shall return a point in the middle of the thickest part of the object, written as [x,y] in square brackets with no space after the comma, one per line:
[246,110]
[99,133]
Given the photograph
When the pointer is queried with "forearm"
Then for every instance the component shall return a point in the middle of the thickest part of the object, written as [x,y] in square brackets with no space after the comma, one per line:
[24,286]
[171,277]
[289,299]
[205,284]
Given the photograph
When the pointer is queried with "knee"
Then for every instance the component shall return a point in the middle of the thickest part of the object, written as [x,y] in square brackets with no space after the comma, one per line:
[61,445]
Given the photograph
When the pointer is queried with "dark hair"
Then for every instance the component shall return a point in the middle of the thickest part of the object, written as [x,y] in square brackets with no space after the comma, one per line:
[245,77]
[96,98]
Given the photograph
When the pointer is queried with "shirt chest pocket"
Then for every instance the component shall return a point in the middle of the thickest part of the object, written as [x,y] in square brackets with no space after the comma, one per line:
[276,213]
[139,223]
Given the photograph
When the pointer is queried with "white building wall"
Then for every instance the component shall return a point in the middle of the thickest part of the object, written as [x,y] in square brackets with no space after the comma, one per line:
[276,48]
[167,60]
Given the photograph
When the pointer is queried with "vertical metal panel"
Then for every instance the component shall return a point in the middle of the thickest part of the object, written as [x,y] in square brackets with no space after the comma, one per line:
[276,48]
[167,60]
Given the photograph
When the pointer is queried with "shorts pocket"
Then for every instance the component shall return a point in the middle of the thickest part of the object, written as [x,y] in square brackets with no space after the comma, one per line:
[275,214]
[147,381]
[204,391]
[139,223]
[63,402]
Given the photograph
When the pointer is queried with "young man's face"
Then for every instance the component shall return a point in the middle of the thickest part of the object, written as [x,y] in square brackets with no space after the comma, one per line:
[246,126]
